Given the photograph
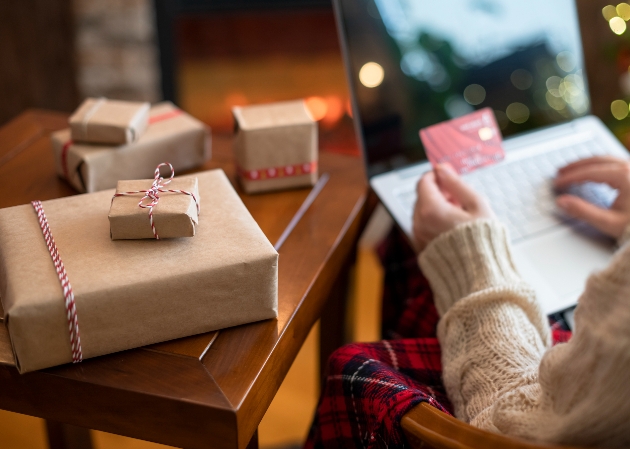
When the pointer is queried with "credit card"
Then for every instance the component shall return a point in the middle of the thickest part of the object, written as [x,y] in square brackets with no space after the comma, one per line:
[466,143]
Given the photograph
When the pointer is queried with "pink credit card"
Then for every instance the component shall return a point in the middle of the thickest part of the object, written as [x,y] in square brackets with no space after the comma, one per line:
[466,143]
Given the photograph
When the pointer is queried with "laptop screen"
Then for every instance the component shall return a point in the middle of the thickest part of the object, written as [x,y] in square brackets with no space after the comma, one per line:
[414,63]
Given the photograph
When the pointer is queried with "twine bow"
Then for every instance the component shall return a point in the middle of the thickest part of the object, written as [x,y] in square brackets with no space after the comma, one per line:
[153,194]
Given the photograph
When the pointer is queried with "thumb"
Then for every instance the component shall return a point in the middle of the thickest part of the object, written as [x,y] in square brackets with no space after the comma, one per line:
[453,184]
[606,220]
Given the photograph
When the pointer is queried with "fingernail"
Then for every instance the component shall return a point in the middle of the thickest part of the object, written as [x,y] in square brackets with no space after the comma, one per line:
[445,167]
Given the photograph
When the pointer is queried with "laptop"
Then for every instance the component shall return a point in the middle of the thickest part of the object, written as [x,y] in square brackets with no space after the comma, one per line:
[414,63]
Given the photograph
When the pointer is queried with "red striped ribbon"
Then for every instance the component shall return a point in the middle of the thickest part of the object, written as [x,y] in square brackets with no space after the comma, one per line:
[153,194]
[279,172]
[153,119]
[165,116]
[71,309]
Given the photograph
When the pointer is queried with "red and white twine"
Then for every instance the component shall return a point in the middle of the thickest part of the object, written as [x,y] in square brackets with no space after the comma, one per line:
[153,194]
[71,309]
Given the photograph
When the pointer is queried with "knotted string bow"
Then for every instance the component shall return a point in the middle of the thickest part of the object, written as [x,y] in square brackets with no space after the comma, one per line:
[153,194]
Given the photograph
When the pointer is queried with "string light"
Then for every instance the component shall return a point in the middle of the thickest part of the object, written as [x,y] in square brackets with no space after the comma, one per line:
[623,11]
[619,109]
[618,25]
[609,12]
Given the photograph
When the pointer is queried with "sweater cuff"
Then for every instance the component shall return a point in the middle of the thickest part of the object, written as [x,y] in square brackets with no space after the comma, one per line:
[473,256]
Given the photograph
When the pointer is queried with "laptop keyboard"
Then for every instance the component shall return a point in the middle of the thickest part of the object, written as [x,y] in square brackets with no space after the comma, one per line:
[521,192]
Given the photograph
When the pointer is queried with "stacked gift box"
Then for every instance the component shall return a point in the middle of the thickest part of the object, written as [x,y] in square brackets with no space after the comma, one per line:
[151,258]
[112,140]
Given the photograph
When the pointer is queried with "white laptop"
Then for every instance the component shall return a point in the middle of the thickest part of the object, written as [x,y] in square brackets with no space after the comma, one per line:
[414,63]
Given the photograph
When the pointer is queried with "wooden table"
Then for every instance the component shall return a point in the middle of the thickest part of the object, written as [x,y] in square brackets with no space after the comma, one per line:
[210,390]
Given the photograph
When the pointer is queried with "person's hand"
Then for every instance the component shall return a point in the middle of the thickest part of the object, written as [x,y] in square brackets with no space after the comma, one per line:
[607,169]
[444,201]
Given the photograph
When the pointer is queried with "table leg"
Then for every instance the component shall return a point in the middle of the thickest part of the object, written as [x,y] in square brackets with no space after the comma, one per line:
[333,320]
[253,443]
[65,436]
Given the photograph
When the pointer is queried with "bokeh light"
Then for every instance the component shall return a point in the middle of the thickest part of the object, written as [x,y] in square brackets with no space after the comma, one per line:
[566,61]
[372,74]
[502,119]
[317,107]
[517,112]
[553,85]
[555,102]
[618,25]
[456,106]
[623,11]
[334,111]
[619,109]
[521,79]
[609,12]
[474,94]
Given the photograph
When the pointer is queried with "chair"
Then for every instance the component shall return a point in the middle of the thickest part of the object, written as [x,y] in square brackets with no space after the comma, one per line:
[427,427]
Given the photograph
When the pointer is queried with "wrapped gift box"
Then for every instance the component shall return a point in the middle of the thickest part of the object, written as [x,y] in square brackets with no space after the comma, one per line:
[130,293]
[275,146]
[174,216]
[172,135]
[99,120]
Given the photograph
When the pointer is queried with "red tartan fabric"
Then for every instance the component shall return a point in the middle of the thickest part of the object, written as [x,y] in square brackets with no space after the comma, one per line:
[370,386]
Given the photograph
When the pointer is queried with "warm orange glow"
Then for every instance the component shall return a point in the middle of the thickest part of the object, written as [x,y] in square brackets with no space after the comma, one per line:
[235,99]
[317,106]
[335,111]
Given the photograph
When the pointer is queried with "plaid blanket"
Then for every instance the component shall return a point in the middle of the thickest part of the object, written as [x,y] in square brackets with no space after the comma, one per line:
[370,386]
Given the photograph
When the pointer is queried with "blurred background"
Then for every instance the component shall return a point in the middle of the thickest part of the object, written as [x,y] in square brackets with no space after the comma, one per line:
[210,55]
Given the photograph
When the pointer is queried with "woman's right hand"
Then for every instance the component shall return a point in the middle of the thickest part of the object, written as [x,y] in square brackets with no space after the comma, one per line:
[606,169]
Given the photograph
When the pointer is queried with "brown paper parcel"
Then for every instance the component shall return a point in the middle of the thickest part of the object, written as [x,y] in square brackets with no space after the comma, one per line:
[131,293]
[172,136]
[174,216]
[99,120]
[273,136]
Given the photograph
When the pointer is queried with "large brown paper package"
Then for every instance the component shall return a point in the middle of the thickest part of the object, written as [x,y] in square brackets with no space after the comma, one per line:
[131,293]
[174,216]
[172,136]
[99,120]
[275,146]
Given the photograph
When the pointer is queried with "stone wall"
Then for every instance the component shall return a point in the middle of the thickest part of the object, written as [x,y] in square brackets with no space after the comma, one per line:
[116,49]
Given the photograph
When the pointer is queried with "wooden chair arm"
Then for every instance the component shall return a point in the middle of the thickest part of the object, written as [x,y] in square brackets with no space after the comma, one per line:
[425,425]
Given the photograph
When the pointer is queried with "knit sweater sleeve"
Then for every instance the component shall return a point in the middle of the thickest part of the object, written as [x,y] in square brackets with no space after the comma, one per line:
[498,369]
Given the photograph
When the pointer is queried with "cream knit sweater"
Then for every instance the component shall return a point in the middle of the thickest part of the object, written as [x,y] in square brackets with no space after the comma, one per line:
[498,368]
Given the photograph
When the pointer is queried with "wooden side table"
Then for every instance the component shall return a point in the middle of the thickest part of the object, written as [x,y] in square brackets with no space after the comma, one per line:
[209,390]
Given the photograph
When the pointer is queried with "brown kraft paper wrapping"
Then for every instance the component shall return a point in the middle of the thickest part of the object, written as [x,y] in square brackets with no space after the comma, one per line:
[175,214]
[273,136]
[99,120]
[172,136]
[131,293]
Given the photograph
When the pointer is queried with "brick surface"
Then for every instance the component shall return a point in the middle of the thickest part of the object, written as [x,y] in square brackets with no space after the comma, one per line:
[117,49]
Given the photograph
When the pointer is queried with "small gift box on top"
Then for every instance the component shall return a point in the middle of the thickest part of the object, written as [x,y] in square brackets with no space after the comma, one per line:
[158,209]
[275,146]
[99,120]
